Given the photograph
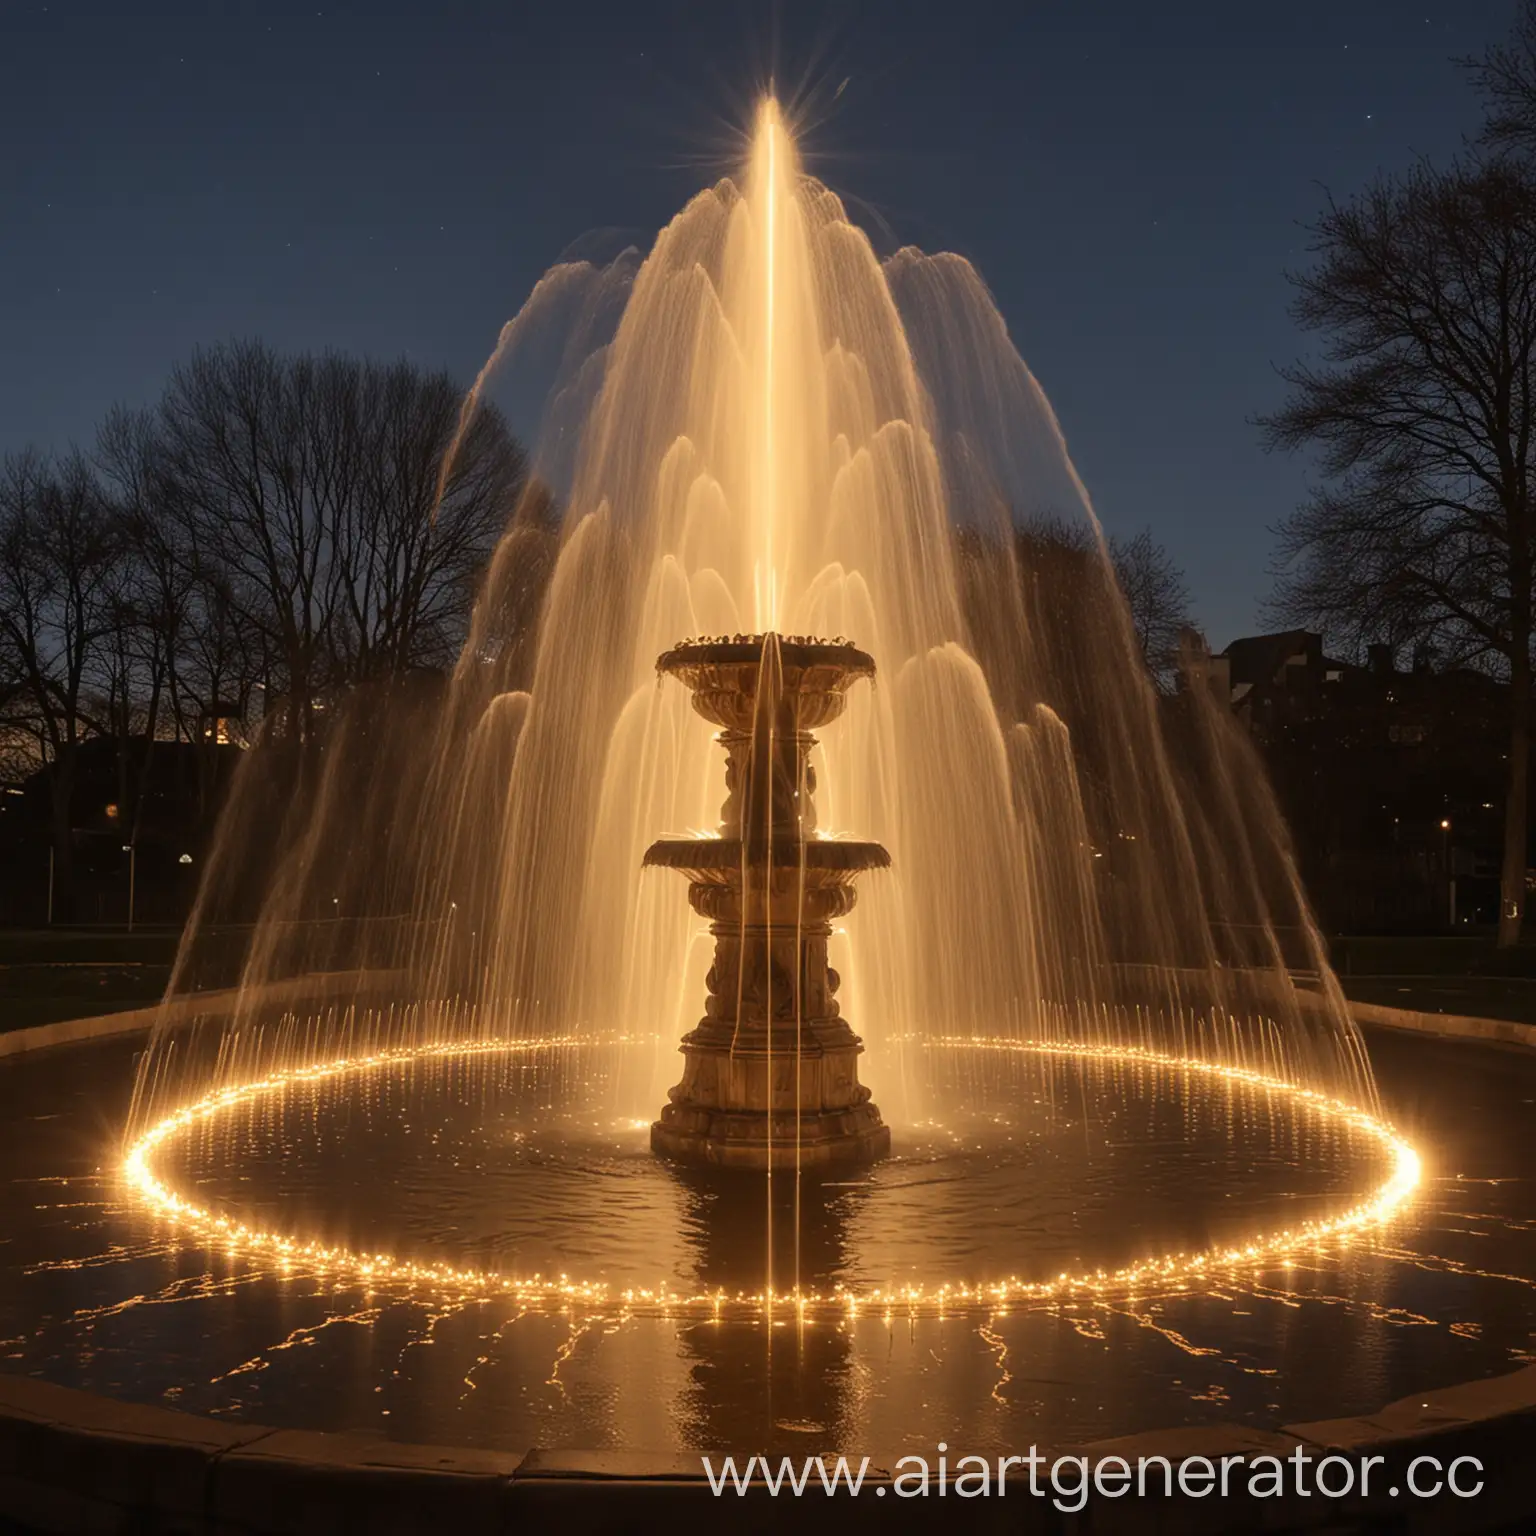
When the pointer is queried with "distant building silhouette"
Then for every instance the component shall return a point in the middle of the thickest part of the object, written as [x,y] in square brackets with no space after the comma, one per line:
[1391,781]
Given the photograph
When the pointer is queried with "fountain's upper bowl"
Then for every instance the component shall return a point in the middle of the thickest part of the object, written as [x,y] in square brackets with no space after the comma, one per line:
[726,676]
[721,860]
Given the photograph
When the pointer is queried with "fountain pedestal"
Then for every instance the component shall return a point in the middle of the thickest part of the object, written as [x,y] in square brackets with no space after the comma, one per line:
[770,1075]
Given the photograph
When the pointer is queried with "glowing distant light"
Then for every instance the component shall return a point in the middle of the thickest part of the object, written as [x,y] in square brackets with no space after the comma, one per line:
[241,1237]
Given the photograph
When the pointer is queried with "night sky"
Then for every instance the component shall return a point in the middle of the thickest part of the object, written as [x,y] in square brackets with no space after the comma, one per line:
[391,178]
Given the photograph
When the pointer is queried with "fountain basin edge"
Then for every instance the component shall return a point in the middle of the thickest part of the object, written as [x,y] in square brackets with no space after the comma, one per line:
[74,1461]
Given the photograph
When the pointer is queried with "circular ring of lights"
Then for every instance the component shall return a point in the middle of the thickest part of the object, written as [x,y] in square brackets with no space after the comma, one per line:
[565,1291]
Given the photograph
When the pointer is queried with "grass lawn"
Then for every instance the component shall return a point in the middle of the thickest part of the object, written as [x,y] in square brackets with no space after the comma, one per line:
[49,974]
[72,973]
[1485,997]
[1440,974]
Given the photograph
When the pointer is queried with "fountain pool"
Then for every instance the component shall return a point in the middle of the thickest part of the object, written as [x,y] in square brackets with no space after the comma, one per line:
[506,1267]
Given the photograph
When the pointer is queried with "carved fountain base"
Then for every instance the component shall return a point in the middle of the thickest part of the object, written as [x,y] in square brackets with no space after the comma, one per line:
[749,1106]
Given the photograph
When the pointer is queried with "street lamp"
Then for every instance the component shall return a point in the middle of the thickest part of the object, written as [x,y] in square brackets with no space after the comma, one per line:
[131,850]
[1445,863]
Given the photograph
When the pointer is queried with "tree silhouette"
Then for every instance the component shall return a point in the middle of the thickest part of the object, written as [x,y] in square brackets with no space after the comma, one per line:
[1423,414]
[63,563]
[1158,598]
[1505,77]
[304,492]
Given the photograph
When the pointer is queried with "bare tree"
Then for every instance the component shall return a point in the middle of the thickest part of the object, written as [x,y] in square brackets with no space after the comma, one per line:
[1158,599]
[1422,411]
[1064,562]
[408,560]
[62,567]
[309,485]
[219,480]
[197,651]
[1505,77]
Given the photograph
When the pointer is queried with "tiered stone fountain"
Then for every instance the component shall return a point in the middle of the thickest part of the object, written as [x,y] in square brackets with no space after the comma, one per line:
[771,1072]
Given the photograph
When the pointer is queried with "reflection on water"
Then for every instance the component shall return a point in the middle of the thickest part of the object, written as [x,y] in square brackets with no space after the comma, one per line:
[1062,1166]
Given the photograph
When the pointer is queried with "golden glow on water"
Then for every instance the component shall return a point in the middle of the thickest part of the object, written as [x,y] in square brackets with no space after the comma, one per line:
[934,1295]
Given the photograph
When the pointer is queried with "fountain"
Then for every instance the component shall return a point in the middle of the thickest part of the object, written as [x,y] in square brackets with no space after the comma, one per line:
[772,1078]
[1091,1002]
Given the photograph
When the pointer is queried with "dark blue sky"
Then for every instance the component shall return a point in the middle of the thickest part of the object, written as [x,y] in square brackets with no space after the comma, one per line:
[392,177]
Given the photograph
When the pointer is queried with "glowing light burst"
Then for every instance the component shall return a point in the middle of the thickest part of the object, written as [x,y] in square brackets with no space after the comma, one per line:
[944,1296]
